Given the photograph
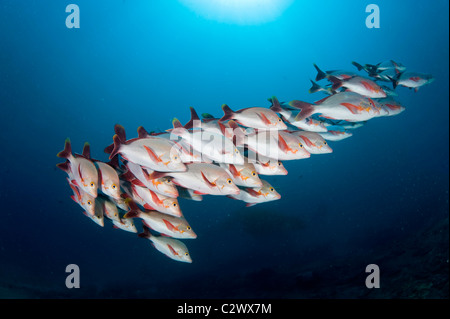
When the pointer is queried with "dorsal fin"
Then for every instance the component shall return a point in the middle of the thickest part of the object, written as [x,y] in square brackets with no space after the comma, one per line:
[87,150]
[142,133]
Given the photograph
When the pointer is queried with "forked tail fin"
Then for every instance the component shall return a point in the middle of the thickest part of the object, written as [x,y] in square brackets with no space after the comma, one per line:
[320,74]
[306,109]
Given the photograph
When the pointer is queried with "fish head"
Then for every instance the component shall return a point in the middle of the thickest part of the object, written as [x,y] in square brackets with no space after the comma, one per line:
[324,147]
[187,231]
[185,257]
[167,187]
[226,185]
[111,210]
[269,192]
[279,168]
[175,163]
[111,189]
[233,156]
[172,206]
[91,187]
[250,177]
[279,124]
[87,201]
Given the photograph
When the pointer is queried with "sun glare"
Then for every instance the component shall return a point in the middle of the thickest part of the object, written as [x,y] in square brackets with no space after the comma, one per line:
[243,12]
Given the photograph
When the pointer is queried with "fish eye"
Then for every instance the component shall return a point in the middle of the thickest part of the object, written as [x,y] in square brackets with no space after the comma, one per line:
[174,205]
[89,202]
[271,189]
[92,184]
[300,144]
[324,142]
[113,186]
[253,174]
[279,119]
[236,150]
[188,228]
[187,254]
[229,181]
[279,163]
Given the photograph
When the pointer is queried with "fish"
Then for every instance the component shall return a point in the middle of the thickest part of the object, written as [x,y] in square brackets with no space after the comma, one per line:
[172,248]
[257,195]
[243,175]
[278,145]
[348,106]
[151,200]
[176,227]
[290,114]
[85,200]
[390,106]
[254,117]
[153,152]
[375,69]
[412,80]
[265,165]
[344,124]
[211,145]
[339,74]
[203,178]
[318,88]
[313,142]
[360,85]
[98,216]
[109,208]
[125,224]
[107,175]
[336,135]
[140,176]
[82,170]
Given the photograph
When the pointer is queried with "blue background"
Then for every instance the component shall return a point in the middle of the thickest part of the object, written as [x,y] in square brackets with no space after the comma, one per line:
[145,62]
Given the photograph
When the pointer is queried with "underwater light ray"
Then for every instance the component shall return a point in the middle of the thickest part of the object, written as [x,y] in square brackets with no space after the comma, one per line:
[241,12]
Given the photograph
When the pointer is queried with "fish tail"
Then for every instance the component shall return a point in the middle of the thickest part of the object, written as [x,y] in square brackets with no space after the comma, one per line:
[116,146]
[320,74]
[109,149]
[146,232]
[67,150]
[336,83]
[358,66]
[276,107]
[306,109]
[120,132]
[394,80]
[194,119]
[228,113]
[315,87]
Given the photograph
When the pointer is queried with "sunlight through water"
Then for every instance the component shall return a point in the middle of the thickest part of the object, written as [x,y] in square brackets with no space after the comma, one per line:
[242,12]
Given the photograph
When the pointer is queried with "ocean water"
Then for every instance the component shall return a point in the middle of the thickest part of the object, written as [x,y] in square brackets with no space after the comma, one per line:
[380,198]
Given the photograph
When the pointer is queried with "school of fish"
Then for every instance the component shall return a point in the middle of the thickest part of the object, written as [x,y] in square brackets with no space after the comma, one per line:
[228,156]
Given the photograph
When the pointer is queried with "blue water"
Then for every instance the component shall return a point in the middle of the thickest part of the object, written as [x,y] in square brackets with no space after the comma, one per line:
[145,62]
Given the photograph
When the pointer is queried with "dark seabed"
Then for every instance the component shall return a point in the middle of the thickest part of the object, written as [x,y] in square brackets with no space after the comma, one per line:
[380,198]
